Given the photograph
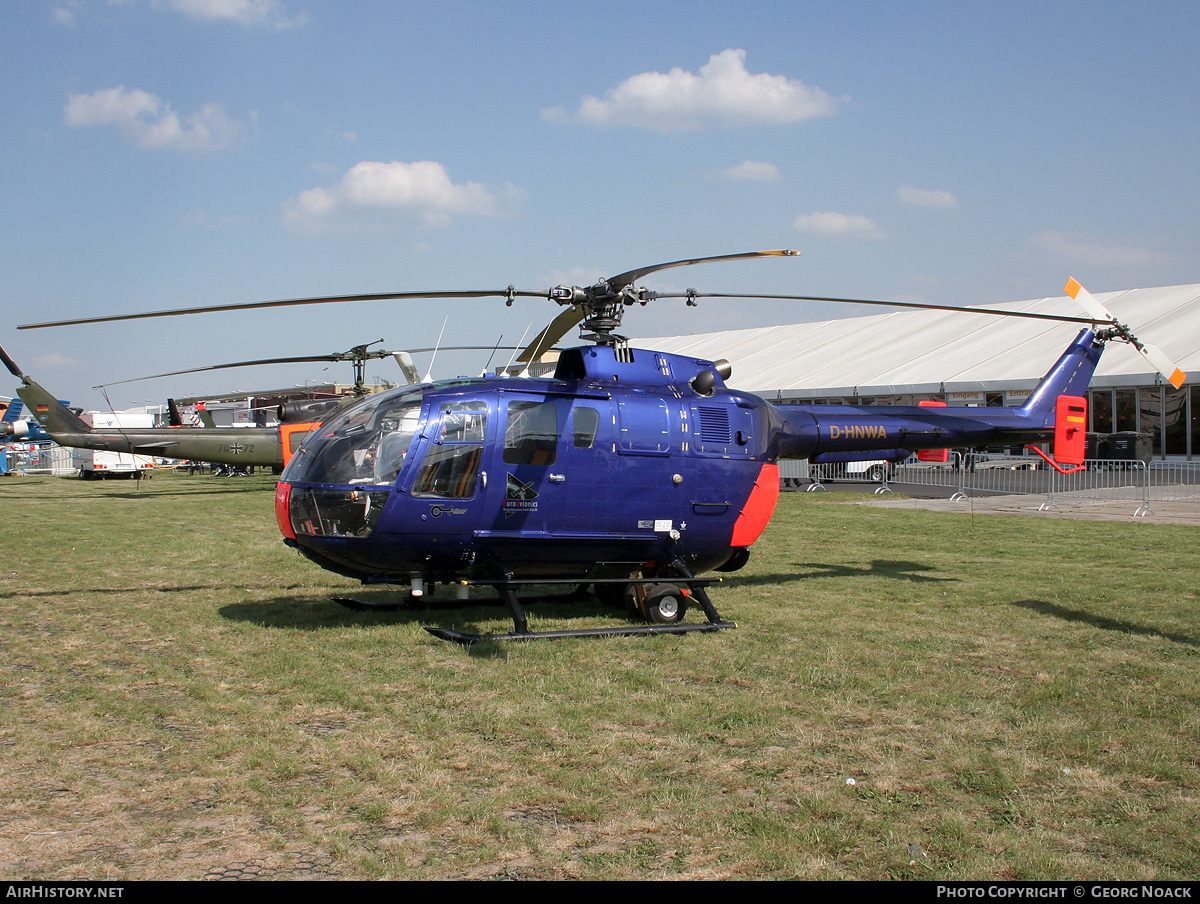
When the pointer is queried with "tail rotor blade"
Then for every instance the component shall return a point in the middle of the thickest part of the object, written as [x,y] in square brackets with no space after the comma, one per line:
[1154,355]
[1088,302]
[1164,365]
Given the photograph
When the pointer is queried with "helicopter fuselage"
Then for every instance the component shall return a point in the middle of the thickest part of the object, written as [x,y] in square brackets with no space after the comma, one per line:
[503,475]
[626,458]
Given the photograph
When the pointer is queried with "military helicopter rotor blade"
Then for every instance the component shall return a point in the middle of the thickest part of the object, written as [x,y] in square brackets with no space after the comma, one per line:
[10,363]
[300,359]
[966,309]
[359,352]
[1156,357]
[305,359]
[510,292]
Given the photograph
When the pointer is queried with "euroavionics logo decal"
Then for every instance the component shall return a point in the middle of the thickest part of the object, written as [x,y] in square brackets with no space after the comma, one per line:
[519,496]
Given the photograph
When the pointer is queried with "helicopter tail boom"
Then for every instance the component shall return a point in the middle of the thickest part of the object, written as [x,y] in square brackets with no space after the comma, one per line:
[808,431]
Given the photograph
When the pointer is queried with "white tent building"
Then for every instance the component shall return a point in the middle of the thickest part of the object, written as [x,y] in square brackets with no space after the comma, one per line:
[901,357]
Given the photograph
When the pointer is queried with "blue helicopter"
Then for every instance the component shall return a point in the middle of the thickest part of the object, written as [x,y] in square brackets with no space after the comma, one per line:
[631,471]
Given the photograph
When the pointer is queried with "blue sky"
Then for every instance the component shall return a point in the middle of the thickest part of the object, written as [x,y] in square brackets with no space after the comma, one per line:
[168,153]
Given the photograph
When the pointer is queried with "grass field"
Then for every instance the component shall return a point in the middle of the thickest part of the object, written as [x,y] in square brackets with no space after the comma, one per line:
[909,695]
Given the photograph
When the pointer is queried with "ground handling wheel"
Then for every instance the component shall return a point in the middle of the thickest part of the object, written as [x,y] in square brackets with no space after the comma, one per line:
[665,604]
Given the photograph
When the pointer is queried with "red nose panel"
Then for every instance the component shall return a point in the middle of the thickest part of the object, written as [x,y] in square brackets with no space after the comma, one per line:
[283,495]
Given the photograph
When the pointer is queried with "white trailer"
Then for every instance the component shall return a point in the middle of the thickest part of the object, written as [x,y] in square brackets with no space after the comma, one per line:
[94,464]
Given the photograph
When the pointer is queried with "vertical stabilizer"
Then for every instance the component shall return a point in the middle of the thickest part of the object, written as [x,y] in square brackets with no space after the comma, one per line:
[43,407]
[48,411]
[1069,376]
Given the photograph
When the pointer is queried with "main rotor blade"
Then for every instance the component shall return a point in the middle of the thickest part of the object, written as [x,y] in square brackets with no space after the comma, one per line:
[548,338]
[618,283]
[893,304]
[629,277]
[291,302]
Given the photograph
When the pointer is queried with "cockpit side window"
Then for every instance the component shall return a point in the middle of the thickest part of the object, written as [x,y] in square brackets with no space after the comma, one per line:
[398,429]
[450,469]
[365,444]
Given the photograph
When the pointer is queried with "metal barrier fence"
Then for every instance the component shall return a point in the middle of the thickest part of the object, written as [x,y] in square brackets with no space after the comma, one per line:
[42,459]
[1101,481]
[1174,481]
[1134,481]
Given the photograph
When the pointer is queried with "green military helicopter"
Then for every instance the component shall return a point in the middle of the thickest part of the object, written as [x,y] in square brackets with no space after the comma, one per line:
[237,446]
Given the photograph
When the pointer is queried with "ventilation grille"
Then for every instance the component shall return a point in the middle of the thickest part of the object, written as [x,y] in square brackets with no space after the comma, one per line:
[714,426]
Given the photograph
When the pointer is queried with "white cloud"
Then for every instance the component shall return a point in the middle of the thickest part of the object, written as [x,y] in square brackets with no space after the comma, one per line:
[753,171]
[65,14]
[839,224]
[271,13]
[422,188]
[53,360]
[723,94]
[146,120]
[1098,254]
[926,197]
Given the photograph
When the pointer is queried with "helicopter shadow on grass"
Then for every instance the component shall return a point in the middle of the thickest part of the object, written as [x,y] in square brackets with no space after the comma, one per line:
[886,568]
[93,591]
[1104,623]
[154,493]
[316,613]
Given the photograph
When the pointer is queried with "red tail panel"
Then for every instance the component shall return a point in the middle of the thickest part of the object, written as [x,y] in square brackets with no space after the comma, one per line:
[1070,430]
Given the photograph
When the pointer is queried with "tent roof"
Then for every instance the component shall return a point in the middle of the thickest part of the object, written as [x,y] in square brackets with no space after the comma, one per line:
[939,351]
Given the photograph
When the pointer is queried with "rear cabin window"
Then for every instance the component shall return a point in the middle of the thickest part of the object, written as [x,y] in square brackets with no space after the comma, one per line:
[585,423]
[531,436]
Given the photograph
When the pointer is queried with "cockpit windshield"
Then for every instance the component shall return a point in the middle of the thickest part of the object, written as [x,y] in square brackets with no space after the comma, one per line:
[365,444]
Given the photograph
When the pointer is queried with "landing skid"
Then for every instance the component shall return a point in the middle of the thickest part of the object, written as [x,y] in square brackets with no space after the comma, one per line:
[628,631]
[658,601]
[363,606]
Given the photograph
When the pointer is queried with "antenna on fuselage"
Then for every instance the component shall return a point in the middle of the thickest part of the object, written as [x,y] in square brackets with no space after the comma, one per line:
[433,357]
[492,355]
[513,356]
